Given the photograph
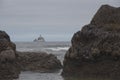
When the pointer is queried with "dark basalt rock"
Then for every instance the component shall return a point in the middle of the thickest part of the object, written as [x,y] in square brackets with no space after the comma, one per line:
[106,15]
[38,61]
[9,68]
[95,50]
[4,35]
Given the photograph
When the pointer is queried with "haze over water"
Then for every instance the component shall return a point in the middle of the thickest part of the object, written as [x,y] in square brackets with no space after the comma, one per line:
[56,20]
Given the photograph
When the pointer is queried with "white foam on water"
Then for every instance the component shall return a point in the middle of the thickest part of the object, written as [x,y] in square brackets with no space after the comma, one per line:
[25,49]
[57,48]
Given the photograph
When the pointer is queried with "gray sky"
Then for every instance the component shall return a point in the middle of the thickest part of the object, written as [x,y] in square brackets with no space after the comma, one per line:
[56,20]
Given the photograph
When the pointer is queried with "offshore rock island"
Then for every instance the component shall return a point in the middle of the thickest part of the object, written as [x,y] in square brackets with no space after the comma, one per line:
[39,39]
[95,50]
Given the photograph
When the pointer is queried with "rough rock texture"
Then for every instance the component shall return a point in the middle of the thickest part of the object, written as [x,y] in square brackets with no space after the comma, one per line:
[38,61]
[8,65]
[4,35]
[106,15]
[12,62]
[7,55]
[95,50]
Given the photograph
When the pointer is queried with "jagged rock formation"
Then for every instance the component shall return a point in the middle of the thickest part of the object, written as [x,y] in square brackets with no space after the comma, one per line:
[8,65]
[95,50]
[38,61]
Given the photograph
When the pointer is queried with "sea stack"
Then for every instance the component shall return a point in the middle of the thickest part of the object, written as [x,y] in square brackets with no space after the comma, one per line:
[95,50]
[9,68]
[39,39]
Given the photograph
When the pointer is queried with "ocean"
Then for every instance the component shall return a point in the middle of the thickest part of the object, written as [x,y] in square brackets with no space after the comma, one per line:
[57,48]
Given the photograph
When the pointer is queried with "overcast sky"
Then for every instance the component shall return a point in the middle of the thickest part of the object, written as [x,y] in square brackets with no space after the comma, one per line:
[56,20]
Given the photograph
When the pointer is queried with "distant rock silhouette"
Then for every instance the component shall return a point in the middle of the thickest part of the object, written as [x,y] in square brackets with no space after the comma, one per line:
[39,39]
[95,50]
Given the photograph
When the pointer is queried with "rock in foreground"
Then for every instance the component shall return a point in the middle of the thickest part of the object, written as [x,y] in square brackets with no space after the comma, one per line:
[95,50]
[9,68]
[38,61]
[12,62]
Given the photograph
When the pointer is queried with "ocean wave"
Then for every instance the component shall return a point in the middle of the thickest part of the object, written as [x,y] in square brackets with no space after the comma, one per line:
[57,48]
[43,49]
[25,49]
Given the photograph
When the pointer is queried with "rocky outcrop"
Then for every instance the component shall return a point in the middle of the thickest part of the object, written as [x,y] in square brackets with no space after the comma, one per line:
[12,62]
[38,61]
[95,50]
[8,65]
[4,35]
[106,15]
